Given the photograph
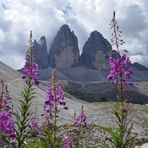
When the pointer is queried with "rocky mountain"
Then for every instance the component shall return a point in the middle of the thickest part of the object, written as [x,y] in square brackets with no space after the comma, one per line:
[64,52]
[91,65]
[96,52]
[41,54]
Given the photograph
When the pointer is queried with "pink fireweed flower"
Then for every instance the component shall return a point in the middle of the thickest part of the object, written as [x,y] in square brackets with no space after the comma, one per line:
[6,120]
[30,67]
[35,128]
[120,67]
[81,120]
[70,142]
[31,71]
[54,100]
[34,123]
[6,124]
[5,101]
[4,105]
[71,139]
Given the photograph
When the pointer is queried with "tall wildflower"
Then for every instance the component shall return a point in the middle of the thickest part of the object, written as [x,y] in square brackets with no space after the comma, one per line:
[121,72]
[120,76]
[72,137]
[7,133]
[30,67]
[120,63]
[23,117]
[81,119]
[120,68]
[54,102]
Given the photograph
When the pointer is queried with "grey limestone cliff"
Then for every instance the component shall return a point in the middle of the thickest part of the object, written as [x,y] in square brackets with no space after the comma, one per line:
[64,52]
[41,55]
[96,52]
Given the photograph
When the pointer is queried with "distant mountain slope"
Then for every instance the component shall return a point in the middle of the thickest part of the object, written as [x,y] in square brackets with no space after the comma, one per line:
[93,91]
[8,73]
[103,91]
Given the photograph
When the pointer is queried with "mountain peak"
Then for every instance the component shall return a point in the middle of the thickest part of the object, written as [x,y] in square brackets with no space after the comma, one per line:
[96,52]
[42,38]
[42,42]
[41,52]
[95,34]
[65,27]
[64,52]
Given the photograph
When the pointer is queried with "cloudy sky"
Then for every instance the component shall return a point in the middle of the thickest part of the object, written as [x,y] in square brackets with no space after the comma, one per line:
[44,17]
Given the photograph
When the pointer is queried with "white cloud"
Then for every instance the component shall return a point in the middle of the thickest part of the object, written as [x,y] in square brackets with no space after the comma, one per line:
[44,17]
[2,36]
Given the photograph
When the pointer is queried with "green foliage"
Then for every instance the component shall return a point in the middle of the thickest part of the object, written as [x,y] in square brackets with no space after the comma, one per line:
[46,140]
[24,115]
[49,138]
[121,136]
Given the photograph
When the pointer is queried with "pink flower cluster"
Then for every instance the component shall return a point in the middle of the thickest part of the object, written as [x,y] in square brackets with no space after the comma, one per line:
[35,128]
[4,105]
[120,68]
[31,71]
[6,120]
[72,137]
[6,124]
[34,123]
[81,120]
[30,67]
[54,100]
[4,100]
[70,142]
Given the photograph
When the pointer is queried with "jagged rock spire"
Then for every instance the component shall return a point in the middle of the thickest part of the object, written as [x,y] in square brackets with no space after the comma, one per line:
[64,52]
[96,52]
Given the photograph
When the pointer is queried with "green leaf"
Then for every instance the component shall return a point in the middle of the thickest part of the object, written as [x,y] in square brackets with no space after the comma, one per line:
[105,146]
[118,116]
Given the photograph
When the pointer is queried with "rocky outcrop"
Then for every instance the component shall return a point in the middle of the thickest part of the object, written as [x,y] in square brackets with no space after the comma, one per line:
[96,52]
[64,52]
[92,65]
[41,54]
